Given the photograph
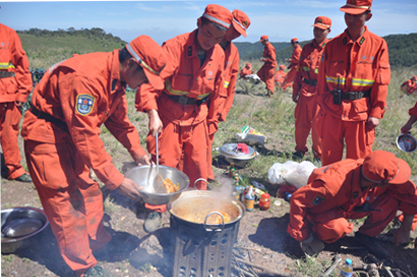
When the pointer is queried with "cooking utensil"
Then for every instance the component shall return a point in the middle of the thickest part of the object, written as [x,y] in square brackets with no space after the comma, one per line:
[407,143]
[238,158]
[19,226]
[149,194]
[156,180]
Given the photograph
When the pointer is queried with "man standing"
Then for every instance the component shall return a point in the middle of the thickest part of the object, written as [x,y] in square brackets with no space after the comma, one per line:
[190,103]
[304,88]
[375,188]
[15,86]
[267,71]
[238,27]
[352,86]
[61,132]
[296,53]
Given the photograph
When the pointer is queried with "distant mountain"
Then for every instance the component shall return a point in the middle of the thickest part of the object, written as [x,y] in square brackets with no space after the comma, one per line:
[402,50]
[44,48]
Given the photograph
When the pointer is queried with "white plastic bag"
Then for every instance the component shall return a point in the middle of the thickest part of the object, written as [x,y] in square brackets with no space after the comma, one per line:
[250,136]
[278,171]
[299,177]
[291,173]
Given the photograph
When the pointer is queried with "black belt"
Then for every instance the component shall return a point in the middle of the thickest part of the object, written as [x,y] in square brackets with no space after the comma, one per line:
[186,100]
[6,74]
[354,95]
[49,118]
[310,82]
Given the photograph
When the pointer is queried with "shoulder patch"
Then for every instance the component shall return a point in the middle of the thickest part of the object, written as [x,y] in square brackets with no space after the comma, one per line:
[190,51]
[362,40]
[318,200]
[85,103]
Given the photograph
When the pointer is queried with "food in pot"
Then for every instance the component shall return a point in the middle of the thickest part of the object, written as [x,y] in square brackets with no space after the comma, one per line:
[213,219]
[170,186]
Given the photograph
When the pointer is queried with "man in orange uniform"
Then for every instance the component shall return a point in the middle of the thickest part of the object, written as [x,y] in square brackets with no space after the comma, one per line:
[15,86]
[267,71]
[375,188]
[280,75]
[246,71]
[352,87]
[187,109]
[296,53]
[61,132]
[304,88]
[409,86]
[239,26]
[413,118]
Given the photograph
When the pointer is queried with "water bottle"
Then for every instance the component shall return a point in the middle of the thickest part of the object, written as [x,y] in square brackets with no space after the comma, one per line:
[347,269]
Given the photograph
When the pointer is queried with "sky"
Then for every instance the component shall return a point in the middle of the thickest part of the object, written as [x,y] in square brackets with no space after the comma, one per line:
[281,20]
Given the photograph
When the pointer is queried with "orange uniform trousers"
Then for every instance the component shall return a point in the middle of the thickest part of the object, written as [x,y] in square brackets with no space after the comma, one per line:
[71,199]
[10,116]
[333,224]
[305,113]
[357,136]
[266,74]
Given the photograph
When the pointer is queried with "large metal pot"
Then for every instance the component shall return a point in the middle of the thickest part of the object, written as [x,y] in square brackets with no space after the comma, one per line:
[149,195]
[19,227]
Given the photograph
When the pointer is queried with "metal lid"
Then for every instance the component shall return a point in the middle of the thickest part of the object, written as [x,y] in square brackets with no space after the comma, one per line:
[230,150]
[407,143]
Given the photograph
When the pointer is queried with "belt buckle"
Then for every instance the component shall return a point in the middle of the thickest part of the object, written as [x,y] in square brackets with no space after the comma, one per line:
[183,100]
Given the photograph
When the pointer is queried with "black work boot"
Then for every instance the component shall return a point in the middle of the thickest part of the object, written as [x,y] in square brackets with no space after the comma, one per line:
[24,178]
[372,245]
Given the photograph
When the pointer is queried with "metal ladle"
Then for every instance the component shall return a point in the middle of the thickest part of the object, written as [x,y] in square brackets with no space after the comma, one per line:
[157,181]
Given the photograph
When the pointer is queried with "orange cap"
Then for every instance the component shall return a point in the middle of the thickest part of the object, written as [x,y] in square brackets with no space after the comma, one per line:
[356,6]
[264,37]
[248,64]
[322,22]
[240,21]
[383,167]
[294,40]
[150,56]
[282,67]
[218,14]
[415,77]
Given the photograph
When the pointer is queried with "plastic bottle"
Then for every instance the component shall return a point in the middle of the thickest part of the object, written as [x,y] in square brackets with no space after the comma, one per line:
[232,170]
[347,269]
[236,193]
[287,196]
[249,199]
[264,202]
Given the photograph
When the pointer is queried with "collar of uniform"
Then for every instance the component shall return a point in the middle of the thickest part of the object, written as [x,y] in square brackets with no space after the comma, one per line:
[321,45]
[364,37]
[116,83]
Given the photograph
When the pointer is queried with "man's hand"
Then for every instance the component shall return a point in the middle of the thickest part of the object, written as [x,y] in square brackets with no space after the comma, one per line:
[402,236]
[130,189]
[407,127]
[141,160]
[372,122]
[295,98]
[155,123]
[262,59]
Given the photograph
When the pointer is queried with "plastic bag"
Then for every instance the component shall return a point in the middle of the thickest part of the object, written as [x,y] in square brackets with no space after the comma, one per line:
[291,173]
[250,136]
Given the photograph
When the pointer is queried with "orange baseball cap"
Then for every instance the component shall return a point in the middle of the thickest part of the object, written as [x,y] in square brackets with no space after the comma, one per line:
[322,22]
[248,64]
[383,167]
[218,14]
[282,67]
[294,40]
[240,21]
[415,77]
[356,6]
[150,56]
[264,37]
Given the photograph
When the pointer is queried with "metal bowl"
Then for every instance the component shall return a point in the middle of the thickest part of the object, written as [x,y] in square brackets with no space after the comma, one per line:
[19,225]
[407,143]
[149,195]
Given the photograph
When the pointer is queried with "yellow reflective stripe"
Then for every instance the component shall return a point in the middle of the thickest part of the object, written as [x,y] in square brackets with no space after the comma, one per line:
[202,96]
[168,87]
[306,68]
[316,70]
[4,66]
[362,82]
[334,80]
[226,84]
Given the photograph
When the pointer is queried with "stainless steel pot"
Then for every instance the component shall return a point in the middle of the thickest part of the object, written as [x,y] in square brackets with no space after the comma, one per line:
[140,176]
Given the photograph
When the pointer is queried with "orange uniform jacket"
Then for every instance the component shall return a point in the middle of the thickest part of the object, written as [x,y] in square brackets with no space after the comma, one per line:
[409,86]
[336,187]
[267,71]
[81,79]
[363,65]
[231,69]
[184,76]
[13,59]
[244,72]
[295,57]
[280,76]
